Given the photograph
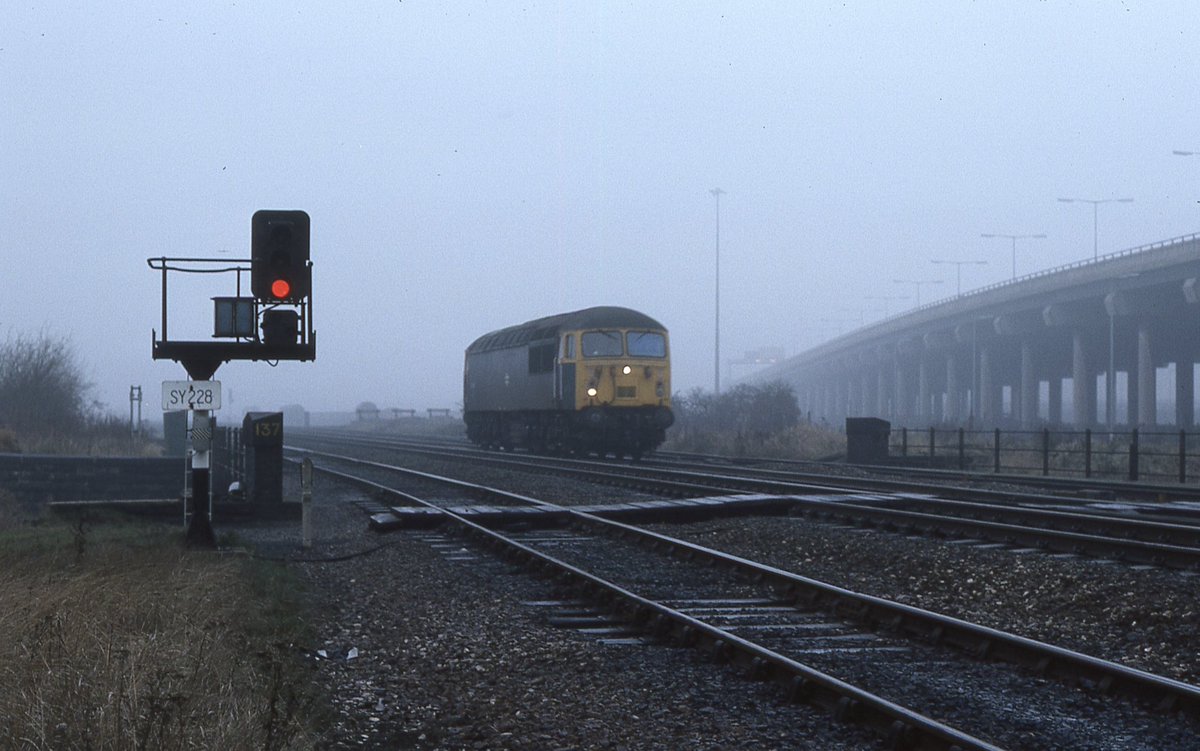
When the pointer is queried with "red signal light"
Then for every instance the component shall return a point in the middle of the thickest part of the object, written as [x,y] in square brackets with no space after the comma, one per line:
[281,289]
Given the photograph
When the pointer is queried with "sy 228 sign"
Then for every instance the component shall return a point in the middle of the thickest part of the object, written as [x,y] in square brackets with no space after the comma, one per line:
[191,395]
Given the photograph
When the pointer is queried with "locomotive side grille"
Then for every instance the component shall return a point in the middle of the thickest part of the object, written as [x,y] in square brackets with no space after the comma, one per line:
[626,392]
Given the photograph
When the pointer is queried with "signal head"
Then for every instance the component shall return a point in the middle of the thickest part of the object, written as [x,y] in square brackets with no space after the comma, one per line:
[279,266]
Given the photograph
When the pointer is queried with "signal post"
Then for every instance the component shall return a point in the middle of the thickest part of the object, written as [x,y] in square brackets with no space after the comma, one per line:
[274,323]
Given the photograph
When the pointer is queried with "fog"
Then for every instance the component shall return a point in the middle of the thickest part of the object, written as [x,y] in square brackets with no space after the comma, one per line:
[472,165]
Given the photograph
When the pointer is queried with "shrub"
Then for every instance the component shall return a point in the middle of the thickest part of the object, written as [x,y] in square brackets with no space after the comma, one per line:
[117,639]
[749,421]
[45,407]
[41,385]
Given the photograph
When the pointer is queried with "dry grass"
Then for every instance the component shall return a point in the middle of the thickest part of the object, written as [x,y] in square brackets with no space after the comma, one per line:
[118,639]
[84,442]
[797,442]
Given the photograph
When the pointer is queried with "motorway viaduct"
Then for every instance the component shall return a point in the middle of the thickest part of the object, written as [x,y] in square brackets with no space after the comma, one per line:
[1035,351]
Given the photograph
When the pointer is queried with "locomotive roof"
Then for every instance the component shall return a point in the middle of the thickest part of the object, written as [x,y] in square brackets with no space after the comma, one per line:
[602,316]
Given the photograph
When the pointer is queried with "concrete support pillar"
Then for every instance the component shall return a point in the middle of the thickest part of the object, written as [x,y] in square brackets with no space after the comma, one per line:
[845,397]
[1131,397]
[1082,403]
[1147,391]
[1185,394]
[900,407]
[953,391]
[1054,407]
[883,382]
[1028,389]
[840,398]
[923,398]
[989,403]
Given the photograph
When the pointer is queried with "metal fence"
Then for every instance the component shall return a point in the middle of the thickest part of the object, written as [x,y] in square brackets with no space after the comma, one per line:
[1135,455]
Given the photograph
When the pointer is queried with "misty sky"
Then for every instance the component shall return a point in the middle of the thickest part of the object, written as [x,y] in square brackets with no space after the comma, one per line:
[470,165]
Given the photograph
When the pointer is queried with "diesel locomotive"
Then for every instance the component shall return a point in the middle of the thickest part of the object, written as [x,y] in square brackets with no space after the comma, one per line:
[596,380]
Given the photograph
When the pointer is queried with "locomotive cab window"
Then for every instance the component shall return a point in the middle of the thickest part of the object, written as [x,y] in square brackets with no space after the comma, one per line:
[569,347]
[602,344]
[647,344]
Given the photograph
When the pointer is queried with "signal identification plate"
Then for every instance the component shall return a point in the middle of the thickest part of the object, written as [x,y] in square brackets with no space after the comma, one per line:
[191,395]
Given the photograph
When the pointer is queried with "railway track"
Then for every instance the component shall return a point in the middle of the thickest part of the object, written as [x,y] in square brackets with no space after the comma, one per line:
[864,658]
[1090,486]
[1135,535]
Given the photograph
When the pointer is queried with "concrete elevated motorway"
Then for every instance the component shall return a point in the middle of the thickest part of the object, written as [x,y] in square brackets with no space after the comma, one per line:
[1038,350]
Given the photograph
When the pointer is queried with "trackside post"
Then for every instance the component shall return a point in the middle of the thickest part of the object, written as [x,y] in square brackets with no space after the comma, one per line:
[306,472]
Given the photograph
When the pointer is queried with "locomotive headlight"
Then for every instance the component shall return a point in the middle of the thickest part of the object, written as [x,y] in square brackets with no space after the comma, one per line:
[626,370]
[591,391]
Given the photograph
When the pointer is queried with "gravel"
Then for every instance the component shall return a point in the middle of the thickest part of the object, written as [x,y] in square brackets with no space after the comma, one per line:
[449,657]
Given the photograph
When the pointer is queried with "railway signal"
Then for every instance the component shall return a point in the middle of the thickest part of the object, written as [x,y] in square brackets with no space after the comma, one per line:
[280,305]
[279,264]
[280,327]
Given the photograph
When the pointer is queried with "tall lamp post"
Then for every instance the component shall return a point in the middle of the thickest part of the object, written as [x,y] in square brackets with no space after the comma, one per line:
[958,269]
[717,193]
[1014,239]
[1095,202]
[916,283]
[1178,152]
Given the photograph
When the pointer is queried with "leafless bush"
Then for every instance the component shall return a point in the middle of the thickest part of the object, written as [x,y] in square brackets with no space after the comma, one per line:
[45,407]
[114,646]
[41,385]
[748,421]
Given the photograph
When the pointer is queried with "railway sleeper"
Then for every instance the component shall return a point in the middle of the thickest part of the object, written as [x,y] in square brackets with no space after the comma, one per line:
[900,736]
[846,710]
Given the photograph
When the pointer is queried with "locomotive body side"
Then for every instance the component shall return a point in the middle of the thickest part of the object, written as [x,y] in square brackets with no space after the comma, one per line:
[592,380]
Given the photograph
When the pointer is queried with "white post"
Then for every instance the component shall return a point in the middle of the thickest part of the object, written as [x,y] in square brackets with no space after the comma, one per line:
[306,470]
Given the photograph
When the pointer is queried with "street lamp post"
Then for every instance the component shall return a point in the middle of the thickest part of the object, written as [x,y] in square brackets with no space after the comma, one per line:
[958,269]
[717,193]
[1014,239]
[1178,152]
[917,285]
[1095,202]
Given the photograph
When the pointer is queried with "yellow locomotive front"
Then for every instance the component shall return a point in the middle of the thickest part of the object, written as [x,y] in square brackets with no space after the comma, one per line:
[617,382]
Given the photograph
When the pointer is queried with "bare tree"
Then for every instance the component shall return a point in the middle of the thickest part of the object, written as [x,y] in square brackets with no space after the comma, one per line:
[760,410]
[42,387]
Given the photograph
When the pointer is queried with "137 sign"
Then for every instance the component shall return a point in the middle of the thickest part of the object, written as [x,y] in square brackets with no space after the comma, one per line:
[191,395]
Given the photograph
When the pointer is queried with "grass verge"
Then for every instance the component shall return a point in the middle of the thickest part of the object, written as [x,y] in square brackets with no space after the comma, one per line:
[796,442]
[115,637]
